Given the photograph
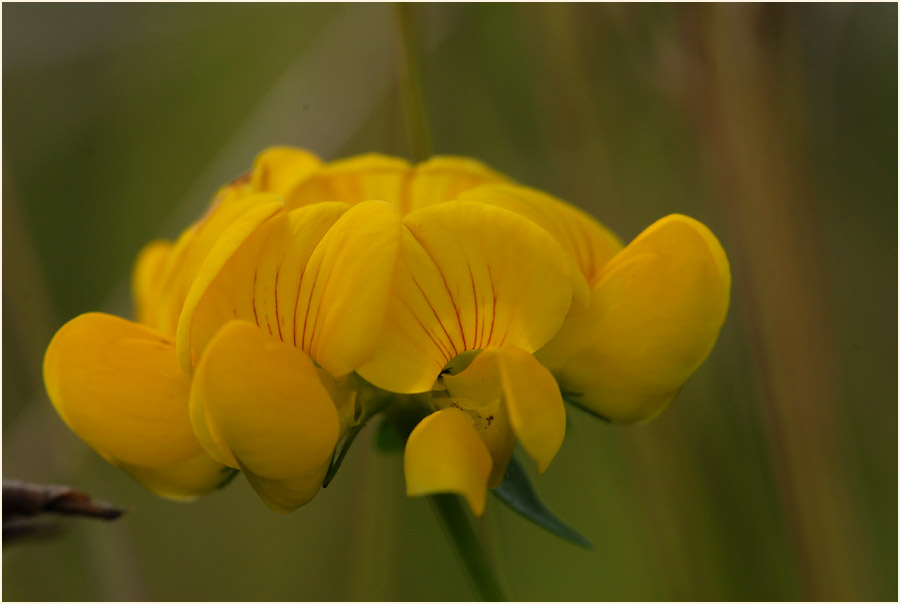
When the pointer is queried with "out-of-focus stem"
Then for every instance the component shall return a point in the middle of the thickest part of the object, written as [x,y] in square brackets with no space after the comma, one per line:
[411,84]
[452,512]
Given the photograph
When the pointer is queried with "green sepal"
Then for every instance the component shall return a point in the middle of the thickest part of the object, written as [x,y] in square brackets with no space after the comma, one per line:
[517,493]
[460,362]
[369,402]
[228,475]
[337,458]
[402,413]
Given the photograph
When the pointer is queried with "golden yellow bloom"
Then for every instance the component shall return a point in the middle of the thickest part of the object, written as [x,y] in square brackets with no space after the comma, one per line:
[444,286]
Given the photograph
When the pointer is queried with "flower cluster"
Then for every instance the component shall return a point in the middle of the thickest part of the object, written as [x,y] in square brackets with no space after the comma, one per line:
[312,296]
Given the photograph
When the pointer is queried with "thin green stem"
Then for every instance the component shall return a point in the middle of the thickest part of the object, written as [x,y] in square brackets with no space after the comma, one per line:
[452,512]
[411,85]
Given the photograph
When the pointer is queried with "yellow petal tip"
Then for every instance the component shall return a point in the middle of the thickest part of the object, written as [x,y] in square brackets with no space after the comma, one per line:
[444,454]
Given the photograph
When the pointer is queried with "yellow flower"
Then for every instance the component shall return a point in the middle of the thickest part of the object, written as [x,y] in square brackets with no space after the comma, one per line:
[442,285]
[186,393]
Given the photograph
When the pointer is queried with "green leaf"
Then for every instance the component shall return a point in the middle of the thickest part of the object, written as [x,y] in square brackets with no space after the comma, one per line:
[516,492]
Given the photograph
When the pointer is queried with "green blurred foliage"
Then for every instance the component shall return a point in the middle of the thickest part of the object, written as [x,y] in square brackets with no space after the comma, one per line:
[772,477]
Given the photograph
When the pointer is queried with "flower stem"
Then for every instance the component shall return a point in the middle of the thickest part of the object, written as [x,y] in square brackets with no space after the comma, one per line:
[452,512]
[411,84]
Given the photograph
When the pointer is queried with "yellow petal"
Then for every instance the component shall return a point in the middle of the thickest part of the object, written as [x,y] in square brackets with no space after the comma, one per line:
[118,386]
[445,455]
[287,495]
[421,332]
[281,169]
[588,243]
[207,430]
[262,401]
[191,250]
[217,254]
[148,269]
[478,392]
[258,279]
[318,278]
[185,480]
[354,180]
[655,314]
[344,296]
[497,268]
[534,403]
[343,392]
[472,276]
[532,406]
[161,298]
[443,178]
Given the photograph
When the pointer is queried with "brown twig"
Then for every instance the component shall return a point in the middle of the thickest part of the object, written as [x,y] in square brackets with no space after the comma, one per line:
[23,501]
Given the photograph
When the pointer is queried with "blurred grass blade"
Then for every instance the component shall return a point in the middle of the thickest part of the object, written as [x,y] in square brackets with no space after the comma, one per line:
[516,492]
[411,84]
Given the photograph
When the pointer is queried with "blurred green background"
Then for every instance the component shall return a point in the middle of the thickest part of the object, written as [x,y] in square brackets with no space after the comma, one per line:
[774,474]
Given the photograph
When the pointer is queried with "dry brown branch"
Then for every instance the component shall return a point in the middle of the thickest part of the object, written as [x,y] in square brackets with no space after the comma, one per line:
[23,501]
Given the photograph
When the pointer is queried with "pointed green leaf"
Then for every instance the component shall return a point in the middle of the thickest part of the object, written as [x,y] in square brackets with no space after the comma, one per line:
[516,492]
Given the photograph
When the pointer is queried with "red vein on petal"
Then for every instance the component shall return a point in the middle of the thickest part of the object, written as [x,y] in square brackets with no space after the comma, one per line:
[253,299]
[441,346]
[297,305]
[436,315]
[506,333]
[475,301]
[277,318]
[265,306]
[453,302]
[493,305]
[308,304]
[450,294]
[483,321]
[427,331]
